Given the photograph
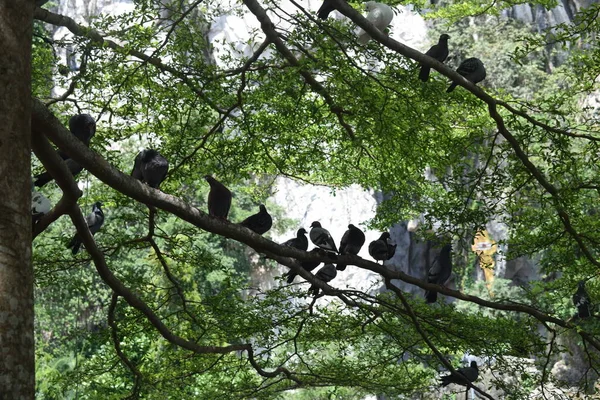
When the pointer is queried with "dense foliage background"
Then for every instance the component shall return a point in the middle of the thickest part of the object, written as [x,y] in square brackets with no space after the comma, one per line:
[332,113]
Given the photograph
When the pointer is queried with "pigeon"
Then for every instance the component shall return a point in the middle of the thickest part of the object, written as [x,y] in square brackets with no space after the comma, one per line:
[326,274]
[439,272]
[321,237]
[379,15]
[381,249]
[581,300]
[306,265]
[463,375]
[472,69]
[40,205]
[94,222]
[300,242]
[351,243]
[219,198]
[260,222]
[439,52]
[83,127]
[150,167]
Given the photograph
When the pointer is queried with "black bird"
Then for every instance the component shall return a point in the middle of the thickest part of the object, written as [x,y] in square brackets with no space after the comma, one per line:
[439,272]
[219,198]
[94,222]
[150,167]
[439,52]
[300,242]
[463,375]
[307,265]
[351,243]
[582,301]
[260,222]
[325,9]
[381,249]
[83,127]
[326,274]
[321,237]
[472,69]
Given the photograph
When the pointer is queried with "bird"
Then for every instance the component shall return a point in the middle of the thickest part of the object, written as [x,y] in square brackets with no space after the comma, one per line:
[472,69]
[260,222]
[40,205]
[439,272]
[150,167]
[306,265]
[351,243]
[325,274]
[582,301]
[219,198]
[300,242]
[438,52]
[379,15]
[321,237]
[463,375]
[83,127]
[94,222]
[381,249]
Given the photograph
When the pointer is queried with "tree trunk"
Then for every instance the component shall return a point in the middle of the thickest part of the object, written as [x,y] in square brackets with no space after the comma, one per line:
[17,368]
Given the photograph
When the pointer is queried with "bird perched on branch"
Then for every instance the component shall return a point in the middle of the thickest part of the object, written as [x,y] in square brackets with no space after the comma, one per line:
[83,127]
[439,272]
[40,205]
[260,222]
[219,198]
[321,237]
[472,69]
[94,222]
[351,243]
[582,301]
[439,52]
[463,375]
[326,274]
[306,265]
[300,242]
[379,15]
[150,167]
[381,249]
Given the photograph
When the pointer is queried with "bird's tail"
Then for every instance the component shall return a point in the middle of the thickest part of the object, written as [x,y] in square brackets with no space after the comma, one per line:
[363,37]
[290,276]
[74,245]
[42,179]
[424,73]
[431,296]
[451,88]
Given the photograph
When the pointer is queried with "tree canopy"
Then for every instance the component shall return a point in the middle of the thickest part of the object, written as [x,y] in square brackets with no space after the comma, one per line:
[160,305]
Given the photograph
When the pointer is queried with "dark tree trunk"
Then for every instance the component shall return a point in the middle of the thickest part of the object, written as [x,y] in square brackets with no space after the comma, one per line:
[17,372]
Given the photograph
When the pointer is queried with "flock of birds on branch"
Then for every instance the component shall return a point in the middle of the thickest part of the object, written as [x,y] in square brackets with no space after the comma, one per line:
[151,167]
[381,15]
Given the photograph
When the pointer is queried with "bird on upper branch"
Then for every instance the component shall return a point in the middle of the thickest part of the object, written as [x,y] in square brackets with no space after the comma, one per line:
[439,52]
